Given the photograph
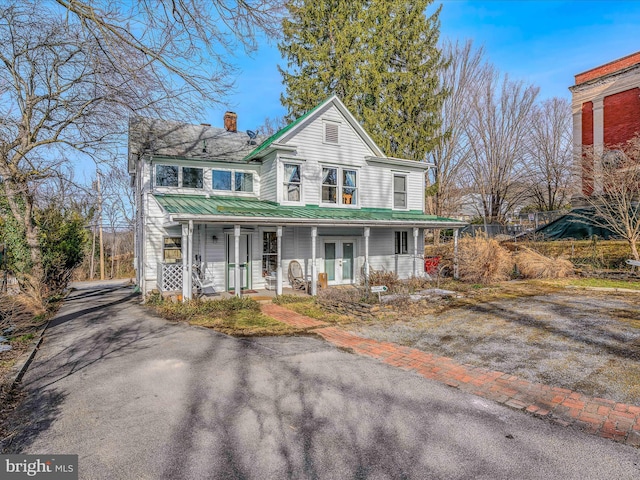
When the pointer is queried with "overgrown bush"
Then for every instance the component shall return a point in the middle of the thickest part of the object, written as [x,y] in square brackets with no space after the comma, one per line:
[532,264]
[483,260]
[384,277]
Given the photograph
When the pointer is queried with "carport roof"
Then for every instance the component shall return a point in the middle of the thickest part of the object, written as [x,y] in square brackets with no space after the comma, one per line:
[245,210]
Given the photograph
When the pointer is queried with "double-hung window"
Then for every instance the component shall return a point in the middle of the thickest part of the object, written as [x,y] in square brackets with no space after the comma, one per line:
[400,191]
[269,253]
[172,249]
[349,187]
[339,179]
[329,185]
[292,183]
[402,246]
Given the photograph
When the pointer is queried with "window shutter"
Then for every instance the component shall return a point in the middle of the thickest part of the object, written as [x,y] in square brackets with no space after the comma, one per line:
[331,132]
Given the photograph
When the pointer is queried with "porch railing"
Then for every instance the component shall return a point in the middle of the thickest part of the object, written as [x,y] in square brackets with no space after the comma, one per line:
[170,277]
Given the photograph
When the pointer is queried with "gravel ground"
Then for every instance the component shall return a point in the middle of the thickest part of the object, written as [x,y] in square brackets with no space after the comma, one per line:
[585,341]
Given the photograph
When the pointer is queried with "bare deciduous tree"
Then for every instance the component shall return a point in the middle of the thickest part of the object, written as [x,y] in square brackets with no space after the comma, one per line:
[617,207]
[452,152]
[71,77]
[549,162]
[499,123]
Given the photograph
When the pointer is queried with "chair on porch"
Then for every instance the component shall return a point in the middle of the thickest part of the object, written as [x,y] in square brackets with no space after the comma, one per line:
[296,277]
[199,285]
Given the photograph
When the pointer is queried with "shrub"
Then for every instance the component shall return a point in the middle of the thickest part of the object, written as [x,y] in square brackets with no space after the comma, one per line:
[532,264]
[383,277]
[483,260]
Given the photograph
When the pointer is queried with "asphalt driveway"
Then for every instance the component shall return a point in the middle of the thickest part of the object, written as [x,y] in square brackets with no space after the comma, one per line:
[137,397]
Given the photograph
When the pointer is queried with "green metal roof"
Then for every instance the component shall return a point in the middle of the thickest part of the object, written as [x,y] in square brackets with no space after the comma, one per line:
[252,208]
[264,145]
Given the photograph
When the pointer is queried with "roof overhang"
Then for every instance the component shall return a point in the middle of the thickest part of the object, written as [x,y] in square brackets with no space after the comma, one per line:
[399,162]
[316,222]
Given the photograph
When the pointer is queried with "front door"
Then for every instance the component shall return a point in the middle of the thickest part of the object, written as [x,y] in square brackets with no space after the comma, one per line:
[245,262]
[339,261]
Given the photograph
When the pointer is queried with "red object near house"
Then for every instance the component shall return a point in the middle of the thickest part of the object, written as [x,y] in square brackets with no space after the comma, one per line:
[431,264]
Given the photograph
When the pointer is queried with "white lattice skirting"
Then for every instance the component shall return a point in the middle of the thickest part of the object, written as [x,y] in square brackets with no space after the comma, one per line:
[170,277]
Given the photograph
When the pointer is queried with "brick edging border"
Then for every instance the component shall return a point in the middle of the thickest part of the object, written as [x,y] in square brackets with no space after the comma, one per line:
[597,416]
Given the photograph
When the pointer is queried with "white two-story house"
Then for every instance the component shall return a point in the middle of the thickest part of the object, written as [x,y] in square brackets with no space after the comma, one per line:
[241,208]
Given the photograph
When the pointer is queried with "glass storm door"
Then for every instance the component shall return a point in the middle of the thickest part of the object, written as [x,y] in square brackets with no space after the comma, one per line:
[347,262]
[244,262]
[339,260]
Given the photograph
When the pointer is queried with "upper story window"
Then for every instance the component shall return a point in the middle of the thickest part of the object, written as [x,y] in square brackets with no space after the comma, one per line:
[399,191]
[221,180]
[192,177]
[292,183]
[339,179]
[243,182]
[349,187]
[169,176]
[232,181]
[166,176]
[330,185]
[331,132]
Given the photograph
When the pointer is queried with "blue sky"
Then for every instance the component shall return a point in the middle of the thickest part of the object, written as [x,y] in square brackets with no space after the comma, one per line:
[541,42]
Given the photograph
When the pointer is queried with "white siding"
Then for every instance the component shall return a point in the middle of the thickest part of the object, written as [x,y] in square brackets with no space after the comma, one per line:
[269,177]
[375,182]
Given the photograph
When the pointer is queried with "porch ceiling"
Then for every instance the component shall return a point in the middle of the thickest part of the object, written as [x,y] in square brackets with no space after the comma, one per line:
[248,210]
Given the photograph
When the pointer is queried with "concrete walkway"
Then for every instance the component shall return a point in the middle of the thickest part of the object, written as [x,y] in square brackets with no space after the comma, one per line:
[599,416]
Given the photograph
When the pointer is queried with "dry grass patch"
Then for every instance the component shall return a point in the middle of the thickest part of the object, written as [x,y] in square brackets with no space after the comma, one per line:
[234,316]
[532,264]
[483,260]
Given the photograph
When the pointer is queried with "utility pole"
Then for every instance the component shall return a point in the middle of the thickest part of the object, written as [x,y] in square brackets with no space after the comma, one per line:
[100,220]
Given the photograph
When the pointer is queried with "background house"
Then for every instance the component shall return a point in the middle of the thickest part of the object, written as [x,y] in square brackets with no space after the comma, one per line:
[319,192]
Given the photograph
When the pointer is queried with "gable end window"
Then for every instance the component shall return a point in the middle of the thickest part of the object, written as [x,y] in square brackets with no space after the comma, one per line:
[341,180]
[402,246]
[331,131]
[166,176]
[292,184]
[399,191]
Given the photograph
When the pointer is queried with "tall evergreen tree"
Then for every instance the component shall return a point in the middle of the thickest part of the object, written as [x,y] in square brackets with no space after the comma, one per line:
[381,58]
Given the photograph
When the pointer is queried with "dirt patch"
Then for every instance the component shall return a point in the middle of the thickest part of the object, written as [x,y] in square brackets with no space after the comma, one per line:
[585,341]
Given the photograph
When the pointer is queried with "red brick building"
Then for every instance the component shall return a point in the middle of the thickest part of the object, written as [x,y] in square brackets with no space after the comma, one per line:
[606,113]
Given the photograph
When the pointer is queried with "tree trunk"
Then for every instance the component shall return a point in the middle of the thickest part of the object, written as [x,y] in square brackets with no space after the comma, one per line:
[634,250]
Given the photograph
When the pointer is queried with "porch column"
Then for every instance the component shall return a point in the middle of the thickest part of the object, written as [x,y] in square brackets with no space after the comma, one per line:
[190,261]
[367,233]
[185,266]
[415,251]
[236,260]
[314,269]
[455,253]
[279,261]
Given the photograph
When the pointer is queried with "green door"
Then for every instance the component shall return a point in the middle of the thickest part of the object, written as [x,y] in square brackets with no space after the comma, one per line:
[330,260]
[347,262]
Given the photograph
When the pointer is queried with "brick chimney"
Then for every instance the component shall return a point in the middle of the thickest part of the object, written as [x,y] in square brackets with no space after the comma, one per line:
[231,122]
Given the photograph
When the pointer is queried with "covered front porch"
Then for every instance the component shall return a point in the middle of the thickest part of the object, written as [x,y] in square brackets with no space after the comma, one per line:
[268,259]
[233,246]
